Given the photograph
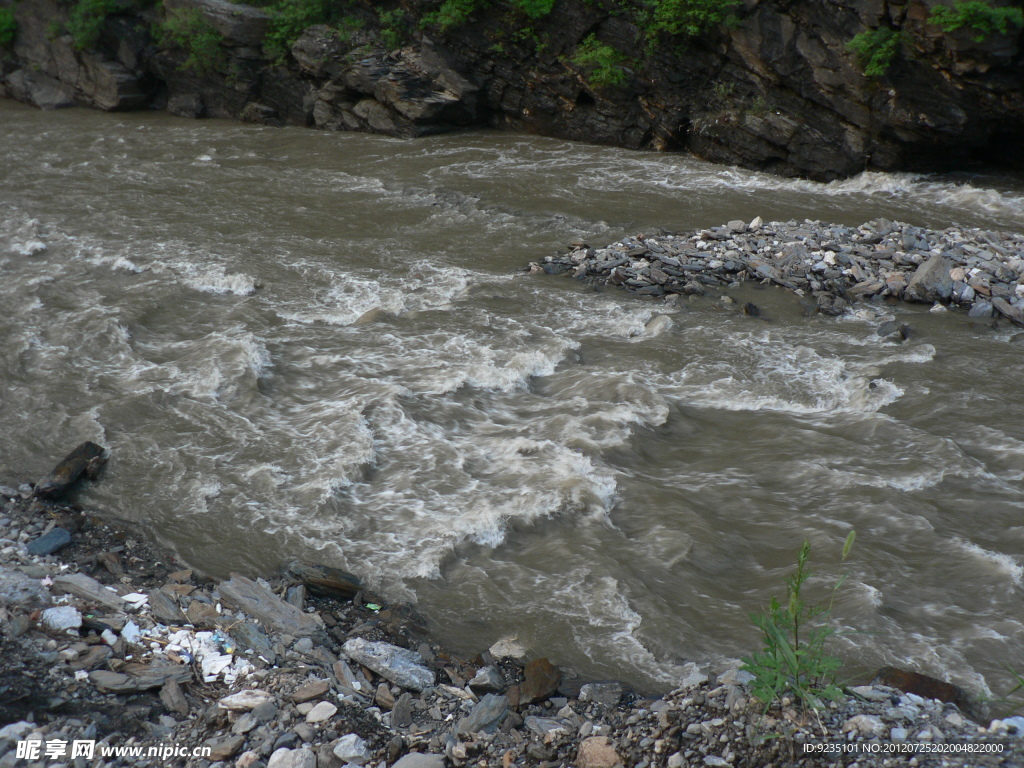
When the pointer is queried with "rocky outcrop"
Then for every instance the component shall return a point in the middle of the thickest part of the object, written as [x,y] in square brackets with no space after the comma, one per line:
[776,90]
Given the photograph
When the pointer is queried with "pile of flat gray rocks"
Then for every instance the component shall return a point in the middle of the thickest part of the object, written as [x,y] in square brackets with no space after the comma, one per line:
[977,270]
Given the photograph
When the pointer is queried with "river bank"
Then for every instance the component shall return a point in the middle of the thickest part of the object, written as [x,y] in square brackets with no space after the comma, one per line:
[110,643]
[834,267]
[794,88]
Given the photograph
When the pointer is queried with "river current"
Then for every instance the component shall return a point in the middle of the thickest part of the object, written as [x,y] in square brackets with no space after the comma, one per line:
[322,346]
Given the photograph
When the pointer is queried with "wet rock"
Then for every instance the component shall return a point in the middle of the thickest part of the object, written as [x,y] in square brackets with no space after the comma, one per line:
[1008,310]
[87,459]
[541,681]
[923,685]
[606,694]
[597,752]
[485,716]
[246,595]
[982,309]
[399,665]
[326,581]
[488,679]
[49,543]
[352,749]
[508,648]
[931,282]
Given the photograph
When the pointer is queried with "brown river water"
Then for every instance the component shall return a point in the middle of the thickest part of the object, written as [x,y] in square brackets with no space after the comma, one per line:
[316,345]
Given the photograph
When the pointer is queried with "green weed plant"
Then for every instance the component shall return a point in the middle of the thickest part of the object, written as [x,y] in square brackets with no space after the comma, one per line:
[794,659]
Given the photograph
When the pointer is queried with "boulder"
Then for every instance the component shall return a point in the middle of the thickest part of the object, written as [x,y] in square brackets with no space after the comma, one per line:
[87,459]
[399,665]
[931,282]
[246,595]
[923,685]
[541,681]
[326,581]
[49,543]
[485,716]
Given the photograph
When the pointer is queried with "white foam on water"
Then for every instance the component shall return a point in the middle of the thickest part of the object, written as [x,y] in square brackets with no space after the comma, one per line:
[1001,562]
[217,280]
[351,297]
[762,371]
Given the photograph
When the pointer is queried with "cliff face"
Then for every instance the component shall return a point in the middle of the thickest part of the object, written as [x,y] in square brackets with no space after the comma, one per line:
[776,89]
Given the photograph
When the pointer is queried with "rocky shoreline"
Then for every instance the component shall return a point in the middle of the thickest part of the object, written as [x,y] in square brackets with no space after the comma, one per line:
[109,642]
[832,266]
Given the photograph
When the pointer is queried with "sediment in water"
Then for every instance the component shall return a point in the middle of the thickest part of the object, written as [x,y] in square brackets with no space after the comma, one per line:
[833,266]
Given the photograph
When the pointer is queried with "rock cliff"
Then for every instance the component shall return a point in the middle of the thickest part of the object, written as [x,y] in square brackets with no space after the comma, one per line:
[775,87]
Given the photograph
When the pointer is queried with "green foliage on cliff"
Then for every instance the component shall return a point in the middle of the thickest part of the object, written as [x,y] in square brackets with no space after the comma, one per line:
[188,30]
[691,17]
[451,14]
[875,50]
[8,26]
[795,636]
[603,62]
[535,9]
[393,32]
[86,21]
[288,19]
[983,18]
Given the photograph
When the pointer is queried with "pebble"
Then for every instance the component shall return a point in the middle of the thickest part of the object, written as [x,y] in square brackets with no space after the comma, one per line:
[322,711]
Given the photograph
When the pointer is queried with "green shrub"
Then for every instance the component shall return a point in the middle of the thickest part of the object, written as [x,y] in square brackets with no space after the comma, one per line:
[187,29]
[603,62]
[691,17]
[86,21]
[348,26]
[451,14]
[875,50]
[288,19]
[795,636]
[983,18]
[535,9]
[392,28]
[8,26]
